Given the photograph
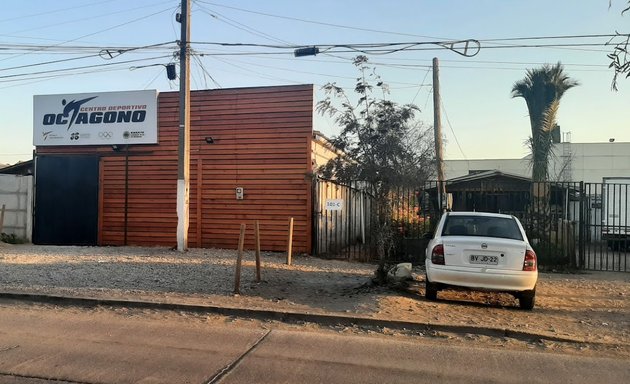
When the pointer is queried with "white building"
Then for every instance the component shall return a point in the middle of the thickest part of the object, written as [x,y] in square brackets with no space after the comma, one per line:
[588,162]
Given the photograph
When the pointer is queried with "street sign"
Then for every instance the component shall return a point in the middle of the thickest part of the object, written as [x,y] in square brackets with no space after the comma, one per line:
[334,204]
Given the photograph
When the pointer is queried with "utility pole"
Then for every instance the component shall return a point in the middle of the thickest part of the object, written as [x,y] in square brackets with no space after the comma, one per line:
[183,157]
[437,131]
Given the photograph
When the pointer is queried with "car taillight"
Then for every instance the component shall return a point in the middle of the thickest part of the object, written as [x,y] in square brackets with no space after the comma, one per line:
[437,255]
[530,263]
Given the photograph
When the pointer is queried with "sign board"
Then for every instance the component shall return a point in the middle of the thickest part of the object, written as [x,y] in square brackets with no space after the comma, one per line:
[334,204]
[103,118]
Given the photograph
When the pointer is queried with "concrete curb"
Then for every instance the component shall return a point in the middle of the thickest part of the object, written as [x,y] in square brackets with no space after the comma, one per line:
[291,317]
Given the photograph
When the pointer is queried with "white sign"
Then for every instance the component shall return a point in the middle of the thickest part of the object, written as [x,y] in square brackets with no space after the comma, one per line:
[334,204]
[103,118]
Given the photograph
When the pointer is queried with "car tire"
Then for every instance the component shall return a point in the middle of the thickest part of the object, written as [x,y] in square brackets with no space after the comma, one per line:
[527,299]
[430,290]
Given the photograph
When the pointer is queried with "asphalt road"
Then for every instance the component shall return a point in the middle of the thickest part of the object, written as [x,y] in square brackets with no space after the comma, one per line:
[39,343]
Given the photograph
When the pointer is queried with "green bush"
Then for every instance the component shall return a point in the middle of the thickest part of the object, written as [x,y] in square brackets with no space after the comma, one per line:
[11,238]
[551,255]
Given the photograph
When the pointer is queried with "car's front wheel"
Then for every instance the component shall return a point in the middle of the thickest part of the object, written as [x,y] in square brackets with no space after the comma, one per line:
[430,290]
[527,299]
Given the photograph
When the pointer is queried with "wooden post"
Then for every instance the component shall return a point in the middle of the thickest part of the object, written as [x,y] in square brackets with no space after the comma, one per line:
[2,218]
[290,242]
[239,259]
[257,236]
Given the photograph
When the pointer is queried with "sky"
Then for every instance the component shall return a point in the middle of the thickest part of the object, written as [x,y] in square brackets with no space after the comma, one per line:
[480,118]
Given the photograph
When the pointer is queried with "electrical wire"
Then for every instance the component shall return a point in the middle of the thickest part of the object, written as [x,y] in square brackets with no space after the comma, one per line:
[426,102]
[205,72]
[386,48]
[261,75]
[153,79]
[495,40]
[421,85]
[452,131]
[74,7]
[293,70]
[77,68]
[95,33]
[39,79]
[315,22]
[119,51]
[240,26]
[86,18]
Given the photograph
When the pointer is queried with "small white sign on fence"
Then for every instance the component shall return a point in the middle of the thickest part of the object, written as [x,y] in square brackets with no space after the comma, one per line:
[334,204]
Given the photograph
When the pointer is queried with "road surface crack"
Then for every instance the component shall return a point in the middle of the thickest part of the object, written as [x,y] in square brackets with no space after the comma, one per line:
[230,367]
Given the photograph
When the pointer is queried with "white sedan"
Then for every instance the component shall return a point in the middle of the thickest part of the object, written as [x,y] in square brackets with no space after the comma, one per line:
[481,251]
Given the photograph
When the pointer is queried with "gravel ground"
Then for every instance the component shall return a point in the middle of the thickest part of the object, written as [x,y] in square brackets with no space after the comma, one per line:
[590,308]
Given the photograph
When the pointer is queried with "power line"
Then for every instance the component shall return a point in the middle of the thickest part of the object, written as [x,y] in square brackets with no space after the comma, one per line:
[205,72]
[77,68]
[384,48]
[495,40]
[241,26]
[74,7]
[293,70]
[119,51]
[421,84]
[261,75]
[315,22]
[153,79]
[86,18]
[95,33]
[452,131]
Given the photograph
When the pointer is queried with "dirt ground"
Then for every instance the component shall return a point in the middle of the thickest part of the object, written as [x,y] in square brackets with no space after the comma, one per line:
[591,308]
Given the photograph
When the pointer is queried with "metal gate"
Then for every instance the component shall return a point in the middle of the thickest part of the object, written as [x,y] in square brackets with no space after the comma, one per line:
[605,226]
[341,221]
[66,200]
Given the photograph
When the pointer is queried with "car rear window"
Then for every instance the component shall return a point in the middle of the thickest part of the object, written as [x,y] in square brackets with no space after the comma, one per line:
[488,226]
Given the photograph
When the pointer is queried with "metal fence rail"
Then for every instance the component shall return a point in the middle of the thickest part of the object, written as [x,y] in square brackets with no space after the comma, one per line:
[570,224]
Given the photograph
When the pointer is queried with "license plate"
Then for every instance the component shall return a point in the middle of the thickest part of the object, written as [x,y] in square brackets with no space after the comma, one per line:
[484,259]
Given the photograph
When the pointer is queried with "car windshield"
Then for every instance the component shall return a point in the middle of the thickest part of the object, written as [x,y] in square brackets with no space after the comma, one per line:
[488,226]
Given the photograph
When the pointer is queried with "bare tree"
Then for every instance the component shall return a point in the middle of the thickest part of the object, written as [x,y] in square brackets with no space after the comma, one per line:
[620,57]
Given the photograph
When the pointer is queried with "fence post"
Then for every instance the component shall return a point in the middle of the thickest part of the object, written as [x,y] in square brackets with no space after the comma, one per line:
[290,242]
[581,227]
[239,259]
[257,236]
[2,218]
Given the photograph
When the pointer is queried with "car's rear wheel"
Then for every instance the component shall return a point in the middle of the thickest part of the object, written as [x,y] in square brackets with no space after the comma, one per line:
[527,299]
[430,290]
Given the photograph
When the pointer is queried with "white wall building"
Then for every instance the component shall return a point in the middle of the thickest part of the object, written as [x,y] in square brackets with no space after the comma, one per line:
[588,162]
[16,196]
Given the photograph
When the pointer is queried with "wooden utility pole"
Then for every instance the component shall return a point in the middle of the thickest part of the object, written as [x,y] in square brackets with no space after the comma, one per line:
[290,242]
[437,131]
[183,159]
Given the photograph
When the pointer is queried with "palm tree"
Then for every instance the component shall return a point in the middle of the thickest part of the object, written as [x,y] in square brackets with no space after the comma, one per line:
[542,88]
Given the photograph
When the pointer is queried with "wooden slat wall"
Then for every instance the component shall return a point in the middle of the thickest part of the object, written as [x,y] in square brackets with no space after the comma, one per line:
[262,142]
